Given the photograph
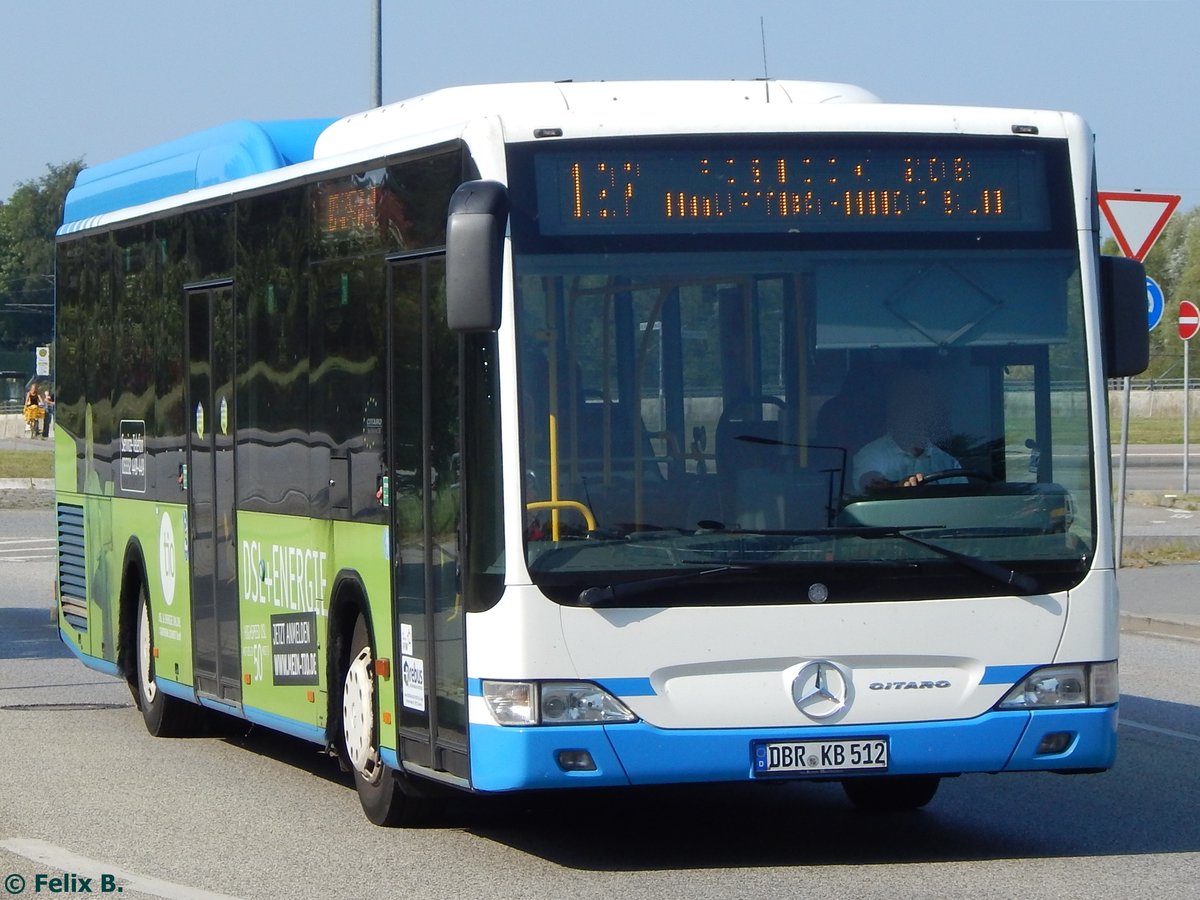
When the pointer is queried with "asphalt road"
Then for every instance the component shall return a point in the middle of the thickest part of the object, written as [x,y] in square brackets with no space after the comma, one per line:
[84,790]
[1158,468]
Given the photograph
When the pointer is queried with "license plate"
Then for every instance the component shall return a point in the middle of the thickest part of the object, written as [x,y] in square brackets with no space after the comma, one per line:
[817,757]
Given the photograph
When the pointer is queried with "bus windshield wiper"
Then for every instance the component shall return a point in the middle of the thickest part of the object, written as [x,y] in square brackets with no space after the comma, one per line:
[606,594]
[997,573]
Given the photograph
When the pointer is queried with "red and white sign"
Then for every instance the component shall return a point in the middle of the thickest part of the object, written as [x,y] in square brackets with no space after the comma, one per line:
[1136,219]
[1189,319]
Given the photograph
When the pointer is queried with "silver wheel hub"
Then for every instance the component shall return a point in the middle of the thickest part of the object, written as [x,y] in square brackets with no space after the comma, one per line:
[145,677]
[358,716]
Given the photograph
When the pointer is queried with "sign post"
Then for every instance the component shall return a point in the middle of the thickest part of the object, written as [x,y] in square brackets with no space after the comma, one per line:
[1137,220]
[1189,324]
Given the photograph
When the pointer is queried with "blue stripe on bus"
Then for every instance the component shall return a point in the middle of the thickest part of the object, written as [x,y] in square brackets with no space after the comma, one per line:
[1005,674]
[175,689]
[92,662]
[643,687]
[302,730]
[628,687]
[507,759]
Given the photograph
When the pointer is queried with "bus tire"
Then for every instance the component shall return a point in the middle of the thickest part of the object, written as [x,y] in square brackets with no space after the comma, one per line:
[164,716]
[891,793]
[388,797]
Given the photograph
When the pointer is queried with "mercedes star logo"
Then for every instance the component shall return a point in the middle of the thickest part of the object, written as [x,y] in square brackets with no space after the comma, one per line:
[820,689]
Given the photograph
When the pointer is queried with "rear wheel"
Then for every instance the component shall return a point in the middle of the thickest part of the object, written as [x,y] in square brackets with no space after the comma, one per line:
[894,793]
[164,716]
[388,797]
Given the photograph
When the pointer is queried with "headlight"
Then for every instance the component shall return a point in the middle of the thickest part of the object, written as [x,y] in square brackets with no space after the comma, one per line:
[577,703]
[1079,684]
[511,702]
[553,703]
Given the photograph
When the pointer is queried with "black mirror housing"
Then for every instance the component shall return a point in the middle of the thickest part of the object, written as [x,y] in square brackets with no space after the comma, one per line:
[1123,317]
[476,222]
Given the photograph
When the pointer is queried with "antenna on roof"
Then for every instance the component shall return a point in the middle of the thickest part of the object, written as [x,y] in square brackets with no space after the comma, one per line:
[762,31]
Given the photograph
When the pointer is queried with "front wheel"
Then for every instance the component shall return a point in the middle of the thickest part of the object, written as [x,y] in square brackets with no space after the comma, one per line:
[387,796]
[893,793]
[164,716]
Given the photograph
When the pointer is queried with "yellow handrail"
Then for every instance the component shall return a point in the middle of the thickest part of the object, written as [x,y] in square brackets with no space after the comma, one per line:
[554,504]
[564,504]
[554,477]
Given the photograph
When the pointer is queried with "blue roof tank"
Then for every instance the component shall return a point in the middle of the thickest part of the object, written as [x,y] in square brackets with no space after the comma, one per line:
[209,157]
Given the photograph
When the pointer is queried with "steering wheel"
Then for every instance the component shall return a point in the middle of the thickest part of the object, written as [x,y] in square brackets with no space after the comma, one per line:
[947,474]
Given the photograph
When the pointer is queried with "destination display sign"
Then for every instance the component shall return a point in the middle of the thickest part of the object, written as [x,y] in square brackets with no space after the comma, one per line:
[850,184]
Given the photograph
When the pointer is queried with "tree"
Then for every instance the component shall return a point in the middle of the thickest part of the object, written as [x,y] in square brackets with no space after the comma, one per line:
[28,222]
[1174,263]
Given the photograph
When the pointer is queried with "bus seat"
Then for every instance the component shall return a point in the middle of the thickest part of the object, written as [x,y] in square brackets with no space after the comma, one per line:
[856,415]
[746,443]
[795,500]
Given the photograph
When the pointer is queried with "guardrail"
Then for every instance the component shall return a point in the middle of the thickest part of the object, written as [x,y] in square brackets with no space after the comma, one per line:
[1153,384]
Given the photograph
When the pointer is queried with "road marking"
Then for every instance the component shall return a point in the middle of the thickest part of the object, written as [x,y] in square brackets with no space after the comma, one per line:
[53,857]
[26,549]
[11,546]
[1168,732]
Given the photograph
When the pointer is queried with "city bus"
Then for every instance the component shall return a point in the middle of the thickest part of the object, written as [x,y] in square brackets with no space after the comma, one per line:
[508,438]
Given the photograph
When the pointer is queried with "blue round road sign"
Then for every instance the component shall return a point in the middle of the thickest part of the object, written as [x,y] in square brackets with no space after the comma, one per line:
[1154,301]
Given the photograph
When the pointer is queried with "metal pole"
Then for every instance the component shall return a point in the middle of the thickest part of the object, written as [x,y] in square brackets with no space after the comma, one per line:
[1123,471]
[377,62]
[1187,403]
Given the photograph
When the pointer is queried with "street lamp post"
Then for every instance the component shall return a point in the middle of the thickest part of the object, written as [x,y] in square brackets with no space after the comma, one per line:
[377,65]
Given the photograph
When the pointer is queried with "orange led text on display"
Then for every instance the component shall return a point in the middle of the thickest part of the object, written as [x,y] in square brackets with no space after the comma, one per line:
[782,188]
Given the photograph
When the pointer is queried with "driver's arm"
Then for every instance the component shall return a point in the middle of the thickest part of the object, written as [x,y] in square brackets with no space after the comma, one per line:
[875,481]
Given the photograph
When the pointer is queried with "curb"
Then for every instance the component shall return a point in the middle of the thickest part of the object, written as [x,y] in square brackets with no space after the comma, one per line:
[1161,541]
[26,484]
[1131,624]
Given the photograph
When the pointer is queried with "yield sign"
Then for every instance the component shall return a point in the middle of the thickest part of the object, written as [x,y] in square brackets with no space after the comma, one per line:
[1189,319]
[1136,219]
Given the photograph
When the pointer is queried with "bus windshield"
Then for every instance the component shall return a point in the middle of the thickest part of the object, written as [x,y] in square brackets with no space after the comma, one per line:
[871,400]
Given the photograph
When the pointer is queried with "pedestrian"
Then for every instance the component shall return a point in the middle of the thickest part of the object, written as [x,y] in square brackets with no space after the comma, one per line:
[48,410]
[34,413]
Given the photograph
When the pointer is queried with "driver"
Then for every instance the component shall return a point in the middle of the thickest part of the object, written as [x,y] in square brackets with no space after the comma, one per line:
[905,454]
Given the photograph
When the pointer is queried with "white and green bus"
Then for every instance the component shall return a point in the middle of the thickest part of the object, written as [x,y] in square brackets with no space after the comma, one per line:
[508,438]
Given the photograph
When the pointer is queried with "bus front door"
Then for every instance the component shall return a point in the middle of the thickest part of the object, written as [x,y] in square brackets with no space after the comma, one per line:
[210,486]
[424,446]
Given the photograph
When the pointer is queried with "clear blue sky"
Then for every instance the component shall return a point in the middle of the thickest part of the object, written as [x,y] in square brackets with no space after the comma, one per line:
[100,78]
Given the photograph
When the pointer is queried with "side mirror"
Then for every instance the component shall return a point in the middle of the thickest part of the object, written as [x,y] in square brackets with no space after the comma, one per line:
[475,225]
[1123,317]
